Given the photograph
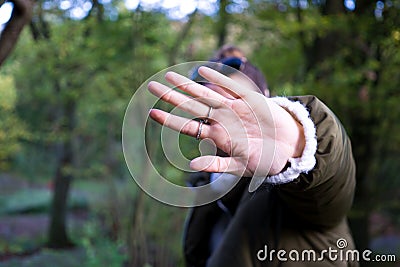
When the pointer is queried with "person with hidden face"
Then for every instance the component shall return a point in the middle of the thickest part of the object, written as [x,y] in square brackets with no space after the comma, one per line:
[297,216]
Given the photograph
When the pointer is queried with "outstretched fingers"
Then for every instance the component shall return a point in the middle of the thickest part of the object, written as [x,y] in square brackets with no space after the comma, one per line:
[200,92]
[177,99]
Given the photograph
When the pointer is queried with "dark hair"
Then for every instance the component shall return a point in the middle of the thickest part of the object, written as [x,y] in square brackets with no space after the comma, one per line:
[225,57]
[225,50]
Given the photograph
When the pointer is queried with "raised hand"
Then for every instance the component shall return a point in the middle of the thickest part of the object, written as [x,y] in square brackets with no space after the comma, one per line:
[258,135]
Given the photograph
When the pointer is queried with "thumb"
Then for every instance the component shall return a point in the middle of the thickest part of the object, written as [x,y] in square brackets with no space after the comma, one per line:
[218,164]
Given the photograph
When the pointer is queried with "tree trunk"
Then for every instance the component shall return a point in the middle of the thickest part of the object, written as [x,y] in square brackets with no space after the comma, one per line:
[326,46]
[58,236]
[182,35]
[222,23]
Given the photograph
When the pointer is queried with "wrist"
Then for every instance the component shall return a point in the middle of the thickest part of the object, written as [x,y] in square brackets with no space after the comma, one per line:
[302,143]
[299,141]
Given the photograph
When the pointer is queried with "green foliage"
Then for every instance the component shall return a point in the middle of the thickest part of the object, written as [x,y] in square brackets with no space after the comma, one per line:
[12,129]
[100,251]
[96,65]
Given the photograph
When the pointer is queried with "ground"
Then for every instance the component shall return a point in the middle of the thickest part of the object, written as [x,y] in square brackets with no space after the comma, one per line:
[24,224]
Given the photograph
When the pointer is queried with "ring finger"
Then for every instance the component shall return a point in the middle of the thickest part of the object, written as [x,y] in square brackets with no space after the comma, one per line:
[183,125]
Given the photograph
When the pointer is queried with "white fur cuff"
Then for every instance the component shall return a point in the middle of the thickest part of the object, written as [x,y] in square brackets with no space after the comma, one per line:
[307,160]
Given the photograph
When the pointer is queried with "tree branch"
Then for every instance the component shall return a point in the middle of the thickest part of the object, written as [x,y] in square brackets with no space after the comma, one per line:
[182,35]
[20,16]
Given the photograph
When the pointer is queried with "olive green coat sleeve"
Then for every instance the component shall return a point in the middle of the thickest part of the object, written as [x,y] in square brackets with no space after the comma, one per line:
[324,195]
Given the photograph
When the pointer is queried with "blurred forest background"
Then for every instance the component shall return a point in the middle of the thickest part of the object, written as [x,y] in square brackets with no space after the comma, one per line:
[70,67]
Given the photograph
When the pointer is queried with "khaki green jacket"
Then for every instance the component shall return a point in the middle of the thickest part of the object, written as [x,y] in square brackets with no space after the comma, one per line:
[305,219]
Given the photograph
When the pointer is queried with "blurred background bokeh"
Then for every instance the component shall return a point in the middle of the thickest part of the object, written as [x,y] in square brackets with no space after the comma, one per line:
[66,196]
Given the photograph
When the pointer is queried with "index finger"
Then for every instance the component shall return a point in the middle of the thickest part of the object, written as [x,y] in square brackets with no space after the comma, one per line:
[200,92]
[233,88]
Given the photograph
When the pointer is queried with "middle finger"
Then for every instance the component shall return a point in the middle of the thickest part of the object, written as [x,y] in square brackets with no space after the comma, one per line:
[179,100]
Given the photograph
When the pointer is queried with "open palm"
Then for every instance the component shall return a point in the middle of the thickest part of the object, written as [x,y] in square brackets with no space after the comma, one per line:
[258,135]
